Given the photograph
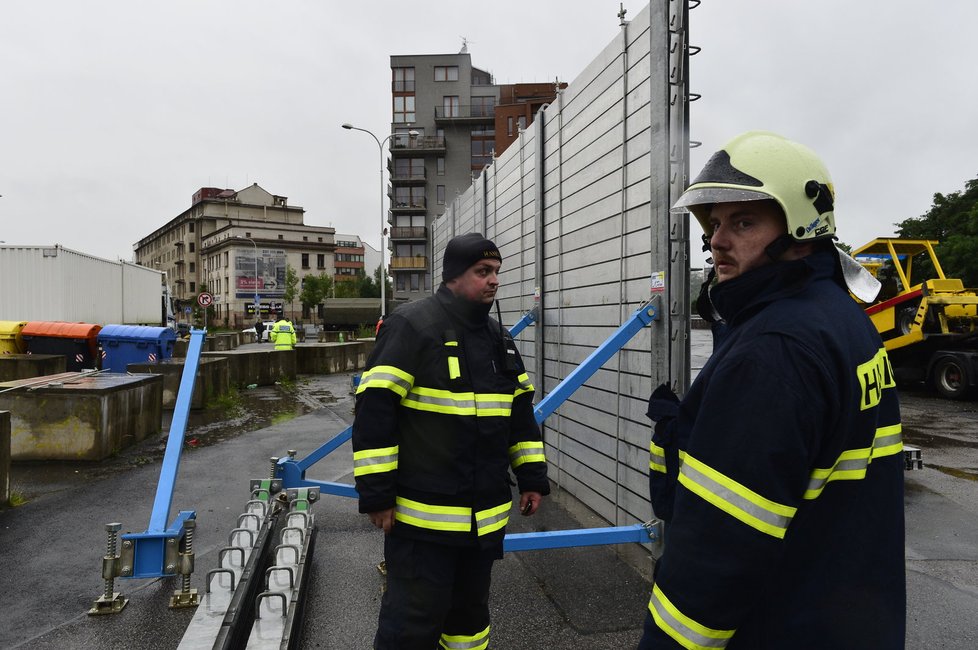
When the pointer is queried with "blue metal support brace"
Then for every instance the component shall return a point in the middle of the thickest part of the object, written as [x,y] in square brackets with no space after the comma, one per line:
[153,549]
[644,315]
[528,319]
[637,533]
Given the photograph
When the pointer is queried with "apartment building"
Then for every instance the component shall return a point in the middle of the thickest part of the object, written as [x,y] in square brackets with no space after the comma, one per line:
[449,118]
[237,245]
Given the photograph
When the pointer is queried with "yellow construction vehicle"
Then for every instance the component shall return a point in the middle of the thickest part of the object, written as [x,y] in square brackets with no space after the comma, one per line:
[929,325]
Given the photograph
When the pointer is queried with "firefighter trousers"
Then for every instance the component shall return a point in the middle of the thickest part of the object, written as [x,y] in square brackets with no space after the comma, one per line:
[437,596]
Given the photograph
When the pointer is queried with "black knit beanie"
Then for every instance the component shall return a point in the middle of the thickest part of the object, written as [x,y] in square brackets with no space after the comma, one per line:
[464,251]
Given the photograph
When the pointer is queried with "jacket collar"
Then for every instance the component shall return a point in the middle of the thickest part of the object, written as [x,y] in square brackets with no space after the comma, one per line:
[470,314]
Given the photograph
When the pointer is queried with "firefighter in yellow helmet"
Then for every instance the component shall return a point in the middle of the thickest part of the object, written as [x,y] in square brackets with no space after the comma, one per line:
[780,472]
[283,335]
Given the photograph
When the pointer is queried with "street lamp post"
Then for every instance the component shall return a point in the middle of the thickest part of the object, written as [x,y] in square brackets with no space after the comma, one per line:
[383,217]
[257,308]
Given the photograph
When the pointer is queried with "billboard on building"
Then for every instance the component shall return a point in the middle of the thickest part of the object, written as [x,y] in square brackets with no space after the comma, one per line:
[268,282]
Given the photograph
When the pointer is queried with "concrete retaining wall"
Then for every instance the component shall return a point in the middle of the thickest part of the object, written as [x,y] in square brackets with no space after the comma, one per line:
[213,379]
[79,417]
[23,366]
[328,358]
[261,367]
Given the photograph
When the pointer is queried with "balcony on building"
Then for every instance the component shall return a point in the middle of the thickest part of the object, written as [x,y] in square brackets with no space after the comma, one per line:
[409,263]
[403,145]
[409,232]
[467,114]
[407,177]
[404,204]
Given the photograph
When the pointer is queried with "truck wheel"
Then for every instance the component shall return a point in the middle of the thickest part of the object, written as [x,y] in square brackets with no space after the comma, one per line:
[951,378]
[904,320]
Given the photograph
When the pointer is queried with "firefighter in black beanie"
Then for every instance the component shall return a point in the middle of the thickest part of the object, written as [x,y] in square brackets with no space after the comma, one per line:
[444,411]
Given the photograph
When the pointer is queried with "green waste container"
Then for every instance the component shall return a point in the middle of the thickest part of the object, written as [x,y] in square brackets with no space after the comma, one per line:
[11,342]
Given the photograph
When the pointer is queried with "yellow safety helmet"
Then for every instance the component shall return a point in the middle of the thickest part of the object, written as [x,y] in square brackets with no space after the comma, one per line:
[760,165]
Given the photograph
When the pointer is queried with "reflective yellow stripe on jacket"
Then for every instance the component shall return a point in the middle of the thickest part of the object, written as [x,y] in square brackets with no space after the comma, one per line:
[684,630]
[389,377]
[477,641]
[524,385]
[852,463]
[451,403]
[375,461]
[657,458]
[456,519]
[528,451]
[735,499]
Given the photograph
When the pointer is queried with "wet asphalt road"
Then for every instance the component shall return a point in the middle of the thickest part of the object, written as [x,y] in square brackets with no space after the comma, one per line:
[572,598]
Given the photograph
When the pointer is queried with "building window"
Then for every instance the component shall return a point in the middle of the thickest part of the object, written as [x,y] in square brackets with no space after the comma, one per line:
[415,282]
[522,122]
[446,73]
[402,80]
[440,193]
[409,197]
[320,261]
[483,106]
[305,260]
[193,287]
[281,236]
[304,238]
[191,224]
[225,259]
[483,142]
[403,109]
[320,239]
[192,247]
[509,125]
[450,106]
[409,168]
[399,282]
[247,234]
[440,162]
[193,267]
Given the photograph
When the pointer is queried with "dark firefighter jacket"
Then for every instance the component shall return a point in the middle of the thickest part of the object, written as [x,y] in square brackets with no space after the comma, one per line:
[787,526]
[441,419]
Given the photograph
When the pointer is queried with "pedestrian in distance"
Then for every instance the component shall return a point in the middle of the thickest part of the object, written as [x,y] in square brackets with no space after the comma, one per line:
[780,472]
[283,334]
[444,411]
[259,330]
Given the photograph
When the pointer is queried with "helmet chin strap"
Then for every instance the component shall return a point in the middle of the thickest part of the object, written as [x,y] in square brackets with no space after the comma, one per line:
[779,246]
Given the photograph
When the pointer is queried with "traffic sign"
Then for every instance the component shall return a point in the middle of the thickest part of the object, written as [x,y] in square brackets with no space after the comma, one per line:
[205,299]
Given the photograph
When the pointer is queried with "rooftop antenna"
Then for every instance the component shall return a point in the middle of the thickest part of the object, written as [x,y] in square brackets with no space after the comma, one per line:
[465,45]
[621,14]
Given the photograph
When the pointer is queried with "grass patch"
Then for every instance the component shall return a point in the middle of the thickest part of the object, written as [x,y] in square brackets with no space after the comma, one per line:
[16,499]
[230,402]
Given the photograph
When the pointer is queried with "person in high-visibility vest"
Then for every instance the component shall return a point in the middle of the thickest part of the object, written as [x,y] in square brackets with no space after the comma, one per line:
[780,472]
[283,335]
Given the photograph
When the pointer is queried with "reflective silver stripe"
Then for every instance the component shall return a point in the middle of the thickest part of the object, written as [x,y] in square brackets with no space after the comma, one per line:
[493,404]
[381,379]
[657,458]
[736,500]
[476,641]
[683,629]
[444,402]
[853,463]
[372,461]
[448,518]
[487,521]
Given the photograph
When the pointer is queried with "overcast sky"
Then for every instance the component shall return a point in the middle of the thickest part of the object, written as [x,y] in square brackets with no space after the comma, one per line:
[113,113]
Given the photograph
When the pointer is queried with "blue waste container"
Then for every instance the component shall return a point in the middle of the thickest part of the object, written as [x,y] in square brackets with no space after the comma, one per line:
[125,344]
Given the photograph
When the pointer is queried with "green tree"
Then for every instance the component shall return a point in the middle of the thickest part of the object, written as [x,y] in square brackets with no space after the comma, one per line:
[291,286]
[953,221]
[315,289]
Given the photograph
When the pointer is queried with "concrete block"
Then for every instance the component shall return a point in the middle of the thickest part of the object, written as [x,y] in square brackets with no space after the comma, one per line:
[24,366]
[261,367]
[329,358]
[213,379]
[81,417]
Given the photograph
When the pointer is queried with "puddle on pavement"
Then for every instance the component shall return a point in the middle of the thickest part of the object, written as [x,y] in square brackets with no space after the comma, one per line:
[916,437]
[956,472]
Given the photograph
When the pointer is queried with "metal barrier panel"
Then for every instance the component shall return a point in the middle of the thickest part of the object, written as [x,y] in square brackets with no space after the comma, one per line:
[579,207]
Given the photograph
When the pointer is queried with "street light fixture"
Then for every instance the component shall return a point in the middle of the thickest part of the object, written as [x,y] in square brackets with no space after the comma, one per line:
[383,217]
[257,308]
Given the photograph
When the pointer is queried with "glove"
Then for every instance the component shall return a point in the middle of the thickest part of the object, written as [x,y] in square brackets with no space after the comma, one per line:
[663,404]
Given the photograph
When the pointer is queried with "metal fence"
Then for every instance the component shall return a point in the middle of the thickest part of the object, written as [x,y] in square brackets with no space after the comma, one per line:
[579,208]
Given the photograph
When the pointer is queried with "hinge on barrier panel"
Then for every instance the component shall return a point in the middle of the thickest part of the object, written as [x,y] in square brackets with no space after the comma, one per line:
[302,498]
[264,488]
